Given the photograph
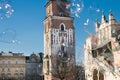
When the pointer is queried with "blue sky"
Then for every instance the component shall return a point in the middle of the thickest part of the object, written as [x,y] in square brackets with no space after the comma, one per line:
[26,24]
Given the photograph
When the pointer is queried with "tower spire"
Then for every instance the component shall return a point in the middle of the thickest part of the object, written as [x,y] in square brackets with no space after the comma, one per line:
[103,17]
[97,24]
[110,12]
[111,17]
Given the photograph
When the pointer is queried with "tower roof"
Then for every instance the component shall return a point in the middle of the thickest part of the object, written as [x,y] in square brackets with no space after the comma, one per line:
[110,13]
[111,16]
[103,17]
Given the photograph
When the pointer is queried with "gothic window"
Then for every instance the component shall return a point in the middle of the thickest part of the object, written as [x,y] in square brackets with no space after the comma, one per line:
[95,72]
[118,38]
[70,39]
[101,76]
[94,53]
[97,75]
[62,27]
[48,66]
[51,38]
[113,33]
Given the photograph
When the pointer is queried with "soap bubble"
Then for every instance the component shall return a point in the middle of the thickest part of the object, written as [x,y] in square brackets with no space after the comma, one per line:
[6,9]
[8,36]
[74,7]
[94,10]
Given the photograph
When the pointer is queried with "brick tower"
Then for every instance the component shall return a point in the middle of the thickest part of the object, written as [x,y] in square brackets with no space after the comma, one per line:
[58,35]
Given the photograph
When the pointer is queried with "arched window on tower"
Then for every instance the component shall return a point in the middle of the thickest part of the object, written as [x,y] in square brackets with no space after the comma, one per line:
[62,27]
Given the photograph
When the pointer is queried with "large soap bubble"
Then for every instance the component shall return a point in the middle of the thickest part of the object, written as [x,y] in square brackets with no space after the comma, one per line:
[74,7]
[8,36]
[6,9]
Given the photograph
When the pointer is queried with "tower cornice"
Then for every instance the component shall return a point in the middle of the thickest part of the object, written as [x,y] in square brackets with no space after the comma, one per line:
[62,18]
[59,17]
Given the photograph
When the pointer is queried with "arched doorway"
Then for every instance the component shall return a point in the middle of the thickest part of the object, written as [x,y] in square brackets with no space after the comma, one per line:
[95,76]
[101,76]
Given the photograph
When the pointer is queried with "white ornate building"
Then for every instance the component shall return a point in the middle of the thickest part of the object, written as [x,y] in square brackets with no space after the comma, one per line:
[58,35]
[102,51]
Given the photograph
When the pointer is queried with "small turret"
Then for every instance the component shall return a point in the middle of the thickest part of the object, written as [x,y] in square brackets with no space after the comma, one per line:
[111,17]
[97,24]
[103,18]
